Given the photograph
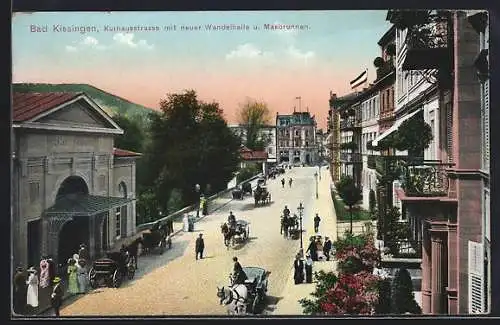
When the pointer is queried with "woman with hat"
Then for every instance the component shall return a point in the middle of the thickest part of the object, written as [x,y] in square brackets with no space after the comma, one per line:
[19,290]
[72,277]
[309,267]
[82,275]
[32,282]
[57,295]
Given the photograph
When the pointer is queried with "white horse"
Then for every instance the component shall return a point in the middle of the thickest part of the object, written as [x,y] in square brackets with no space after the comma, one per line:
[234,298]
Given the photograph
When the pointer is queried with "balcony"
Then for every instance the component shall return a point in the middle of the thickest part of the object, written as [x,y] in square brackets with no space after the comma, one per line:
[427,46]
[384,70]
[409,249]
[425,179]
[350,157]
[349,125]
[371,161]
[388,167]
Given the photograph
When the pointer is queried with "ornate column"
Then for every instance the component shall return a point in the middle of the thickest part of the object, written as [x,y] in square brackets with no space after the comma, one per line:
[426,269]
[452,270]
[437,283]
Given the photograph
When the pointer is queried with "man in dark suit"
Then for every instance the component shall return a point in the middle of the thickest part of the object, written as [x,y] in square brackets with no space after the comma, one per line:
[327,247]
[56,296]
[317,219]
[200,246]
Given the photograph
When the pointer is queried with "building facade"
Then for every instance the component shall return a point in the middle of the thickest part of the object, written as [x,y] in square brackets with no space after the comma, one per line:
[266,133]
[296,139]
[70,185]
[442,189]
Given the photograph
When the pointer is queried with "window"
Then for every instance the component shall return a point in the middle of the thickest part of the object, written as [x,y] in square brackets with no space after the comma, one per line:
[34,189]
[307,133]
[118,222]
[296,133]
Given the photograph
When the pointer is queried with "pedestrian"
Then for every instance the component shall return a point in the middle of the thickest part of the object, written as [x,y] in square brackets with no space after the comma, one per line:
[200,246]
[309,267]
[298,274]
[83,252]
[44,274]
[312,249]
[290,182]
[317,219]
[32,292]
[283,182]
[56,296]
[20,290]
[82,275]
[327,247]
[72,277]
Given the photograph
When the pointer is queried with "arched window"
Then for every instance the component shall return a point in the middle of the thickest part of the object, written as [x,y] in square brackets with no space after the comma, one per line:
[122,189]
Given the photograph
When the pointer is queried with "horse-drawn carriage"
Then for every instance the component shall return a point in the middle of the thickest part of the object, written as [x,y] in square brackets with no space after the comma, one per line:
[262,195]
[248,297]
[154,240]
[111,269]
[290,227]
[237,234]
[240,191]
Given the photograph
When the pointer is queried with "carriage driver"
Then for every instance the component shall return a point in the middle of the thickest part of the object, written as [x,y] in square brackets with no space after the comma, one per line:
[239,275]
[286,212]
[231,220]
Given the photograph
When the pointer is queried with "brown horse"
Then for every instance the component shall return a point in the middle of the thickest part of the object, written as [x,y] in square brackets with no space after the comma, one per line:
[228,234]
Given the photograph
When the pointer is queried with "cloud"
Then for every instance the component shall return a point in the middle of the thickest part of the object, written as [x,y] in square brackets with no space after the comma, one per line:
[127,39]
[70,48]
[247,51]
[296,53]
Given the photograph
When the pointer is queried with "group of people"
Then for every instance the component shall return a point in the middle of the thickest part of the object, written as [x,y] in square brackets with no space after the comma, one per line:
[290,181]
[318,250]
[299,268]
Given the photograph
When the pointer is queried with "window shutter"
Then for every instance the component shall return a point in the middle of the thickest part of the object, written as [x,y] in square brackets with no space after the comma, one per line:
[476,278]
[486,125]
[449,131]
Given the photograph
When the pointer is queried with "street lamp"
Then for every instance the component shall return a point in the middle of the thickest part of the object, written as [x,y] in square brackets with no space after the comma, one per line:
[301,211]
[316,178]
[197,188]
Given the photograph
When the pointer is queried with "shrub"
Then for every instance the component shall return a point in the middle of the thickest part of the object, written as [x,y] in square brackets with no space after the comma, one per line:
[356,253]
[378,62]
[403,299]
[247,172]
[174,202]
[391,49]
[384,297]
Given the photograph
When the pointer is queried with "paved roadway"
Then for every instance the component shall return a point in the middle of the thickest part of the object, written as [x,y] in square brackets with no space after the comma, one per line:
[176,284]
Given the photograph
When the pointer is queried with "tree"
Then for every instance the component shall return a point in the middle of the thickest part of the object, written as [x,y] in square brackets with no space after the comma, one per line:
[350,194]
[413,135]
[190,144]
[395,231]
[402,296]
[133,137]
[254,115]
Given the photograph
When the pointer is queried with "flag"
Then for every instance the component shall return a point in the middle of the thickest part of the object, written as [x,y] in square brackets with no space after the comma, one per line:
[362,78]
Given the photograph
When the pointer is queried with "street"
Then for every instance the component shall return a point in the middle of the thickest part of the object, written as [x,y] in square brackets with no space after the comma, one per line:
[176,284]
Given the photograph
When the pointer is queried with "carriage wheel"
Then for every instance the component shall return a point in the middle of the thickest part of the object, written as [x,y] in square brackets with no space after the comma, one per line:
[92,278]
[255,303]
[117,278]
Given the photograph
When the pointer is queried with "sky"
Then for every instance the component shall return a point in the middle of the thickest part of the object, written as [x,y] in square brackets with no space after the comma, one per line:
[227,66]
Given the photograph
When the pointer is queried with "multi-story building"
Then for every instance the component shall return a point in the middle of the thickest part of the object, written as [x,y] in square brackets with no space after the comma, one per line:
[266,133]
[333,139]
[442,189]
[296,138]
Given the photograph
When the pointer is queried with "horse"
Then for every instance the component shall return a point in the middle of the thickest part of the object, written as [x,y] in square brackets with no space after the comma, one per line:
[234,298]
[228,234]
[285,224]
[133,248]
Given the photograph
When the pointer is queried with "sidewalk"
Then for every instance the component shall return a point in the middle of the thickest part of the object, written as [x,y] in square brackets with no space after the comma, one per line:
[289,305]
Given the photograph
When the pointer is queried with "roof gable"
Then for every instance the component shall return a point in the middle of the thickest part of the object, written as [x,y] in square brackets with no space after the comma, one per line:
[61,111]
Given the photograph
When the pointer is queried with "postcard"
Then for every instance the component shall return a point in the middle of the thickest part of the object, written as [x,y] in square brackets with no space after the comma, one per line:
[215,163]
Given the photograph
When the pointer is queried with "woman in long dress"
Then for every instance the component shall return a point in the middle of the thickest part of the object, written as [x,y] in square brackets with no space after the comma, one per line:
[32,282]
[82,275]
[309,266]
[72,277]
[298,266]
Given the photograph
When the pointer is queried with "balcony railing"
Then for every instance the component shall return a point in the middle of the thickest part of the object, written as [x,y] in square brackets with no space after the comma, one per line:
[404,248]
[427,45]
[371,161]
[388,167]
[350,157]
[349,124]
[427,178]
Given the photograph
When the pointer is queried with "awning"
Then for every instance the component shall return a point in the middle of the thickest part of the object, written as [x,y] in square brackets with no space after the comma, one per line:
[84,205]
[394,127]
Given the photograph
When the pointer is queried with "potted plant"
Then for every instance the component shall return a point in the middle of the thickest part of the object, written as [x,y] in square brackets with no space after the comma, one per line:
[391,49]
[378,62]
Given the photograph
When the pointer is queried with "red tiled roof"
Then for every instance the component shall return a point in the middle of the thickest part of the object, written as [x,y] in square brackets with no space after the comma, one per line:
[28,105]
[254,155]
[125,153]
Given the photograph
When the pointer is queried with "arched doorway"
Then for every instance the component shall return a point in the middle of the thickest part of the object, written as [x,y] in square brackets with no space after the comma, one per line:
[75,231]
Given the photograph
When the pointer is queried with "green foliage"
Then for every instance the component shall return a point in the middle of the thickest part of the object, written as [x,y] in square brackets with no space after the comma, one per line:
[133,137]
[403,298]
[391,49]
[372,204]
[248,172]
[175,202]
[414,135]
[147,207]
[378,62]
[254,115]
[343,214]
[324,282]
[190,144]
[113,103]
[395,230]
